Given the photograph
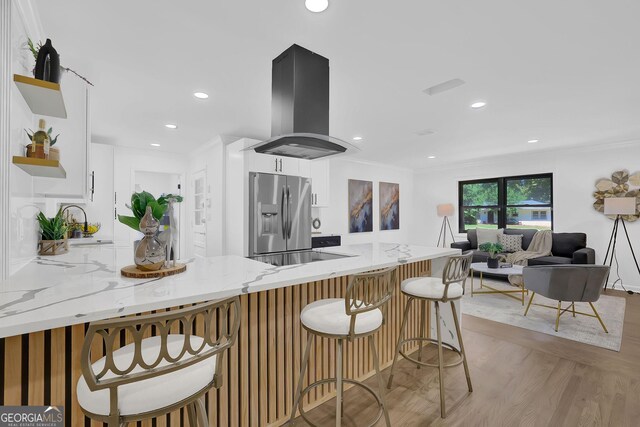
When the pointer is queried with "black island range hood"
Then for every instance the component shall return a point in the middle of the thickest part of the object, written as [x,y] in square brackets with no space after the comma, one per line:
[300,108]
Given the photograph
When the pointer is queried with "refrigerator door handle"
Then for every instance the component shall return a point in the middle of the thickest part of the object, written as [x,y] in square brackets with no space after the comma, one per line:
[283,219]
[289,212]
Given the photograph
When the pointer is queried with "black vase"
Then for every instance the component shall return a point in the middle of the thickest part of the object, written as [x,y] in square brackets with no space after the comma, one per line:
[48,63]
[493,263]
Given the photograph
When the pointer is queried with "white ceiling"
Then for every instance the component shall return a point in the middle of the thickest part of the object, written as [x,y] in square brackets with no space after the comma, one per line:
[564,72]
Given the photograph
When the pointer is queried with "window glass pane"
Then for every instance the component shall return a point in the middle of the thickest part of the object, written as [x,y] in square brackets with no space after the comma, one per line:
[480,218]
[529,191]
[528,217]
[480,194]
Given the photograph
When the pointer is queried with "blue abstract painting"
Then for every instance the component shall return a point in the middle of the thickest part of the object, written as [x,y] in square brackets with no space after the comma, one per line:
[360,206]
[389,206]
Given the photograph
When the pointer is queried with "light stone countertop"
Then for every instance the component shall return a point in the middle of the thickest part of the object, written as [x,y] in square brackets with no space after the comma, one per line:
[85,284]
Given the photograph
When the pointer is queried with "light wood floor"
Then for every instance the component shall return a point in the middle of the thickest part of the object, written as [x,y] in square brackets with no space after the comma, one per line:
[520,378]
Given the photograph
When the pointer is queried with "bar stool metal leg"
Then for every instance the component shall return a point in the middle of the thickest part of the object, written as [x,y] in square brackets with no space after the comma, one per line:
[191,413]
[464,355]
[376,363]
[443,412]
[400,339]
[201,411]
[339,385]
[423,311]
[303,369]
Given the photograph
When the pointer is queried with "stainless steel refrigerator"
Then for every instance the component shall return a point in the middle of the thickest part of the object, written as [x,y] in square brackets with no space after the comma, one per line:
[280,213]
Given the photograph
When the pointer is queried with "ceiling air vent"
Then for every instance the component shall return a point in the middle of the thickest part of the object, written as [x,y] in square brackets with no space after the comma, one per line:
[443,87]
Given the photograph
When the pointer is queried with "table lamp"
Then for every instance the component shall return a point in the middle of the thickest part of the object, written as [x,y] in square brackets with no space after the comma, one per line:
[619,206]
[445,211]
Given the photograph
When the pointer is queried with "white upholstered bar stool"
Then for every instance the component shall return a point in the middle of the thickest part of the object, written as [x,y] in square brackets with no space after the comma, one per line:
[156,375]
[449,288]
[360,314]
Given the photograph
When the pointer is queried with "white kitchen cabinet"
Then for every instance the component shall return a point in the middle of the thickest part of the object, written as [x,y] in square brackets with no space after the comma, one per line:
[280,165]
[320,183]
[101,200]
[73,143]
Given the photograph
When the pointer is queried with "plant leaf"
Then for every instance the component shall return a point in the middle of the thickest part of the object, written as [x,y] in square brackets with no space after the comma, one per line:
[130,221]
[157,210]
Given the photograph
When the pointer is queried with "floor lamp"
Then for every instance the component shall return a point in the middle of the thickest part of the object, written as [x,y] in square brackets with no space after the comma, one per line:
[618,206]
[445,211]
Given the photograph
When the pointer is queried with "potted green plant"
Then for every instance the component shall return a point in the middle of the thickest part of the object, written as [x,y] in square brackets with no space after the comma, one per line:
[139,203]
[494,249]
[53,234]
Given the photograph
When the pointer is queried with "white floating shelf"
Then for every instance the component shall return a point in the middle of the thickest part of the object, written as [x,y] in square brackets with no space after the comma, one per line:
[40,167]
[44,98]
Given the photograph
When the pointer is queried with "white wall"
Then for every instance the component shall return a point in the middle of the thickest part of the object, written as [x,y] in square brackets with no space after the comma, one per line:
[335,218]
[23,206]
[575,172]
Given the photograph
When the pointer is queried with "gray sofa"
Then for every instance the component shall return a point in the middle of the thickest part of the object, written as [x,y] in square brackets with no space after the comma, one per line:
[567,248]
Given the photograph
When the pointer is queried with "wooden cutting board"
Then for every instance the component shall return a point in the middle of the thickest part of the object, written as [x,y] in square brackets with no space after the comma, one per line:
[135,273]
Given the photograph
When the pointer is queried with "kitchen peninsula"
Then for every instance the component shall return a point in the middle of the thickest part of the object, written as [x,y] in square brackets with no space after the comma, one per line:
[45,307]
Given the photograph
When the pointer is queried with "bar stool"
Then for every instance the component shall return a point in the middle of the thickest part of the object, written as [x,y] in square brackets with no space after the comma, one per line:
[156,375]
[433,289]
[358,315]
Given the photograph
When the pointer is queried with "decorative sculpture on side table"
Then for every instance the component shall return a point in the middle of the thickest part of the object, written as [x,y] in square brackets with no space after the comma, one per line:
[170,236]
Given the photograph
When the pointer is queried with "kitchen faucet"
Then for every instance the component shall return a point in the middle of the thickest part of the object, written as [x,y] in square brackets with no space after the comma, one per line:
[86,224]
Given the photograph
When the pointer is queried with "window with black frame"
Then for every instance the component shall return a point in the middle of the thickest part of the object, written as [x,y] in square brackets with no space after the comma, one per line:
[507,202]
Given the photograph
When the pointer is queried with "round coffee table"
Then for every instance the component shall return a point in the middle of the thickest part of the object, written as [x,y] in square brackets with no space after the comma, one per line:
[515,270]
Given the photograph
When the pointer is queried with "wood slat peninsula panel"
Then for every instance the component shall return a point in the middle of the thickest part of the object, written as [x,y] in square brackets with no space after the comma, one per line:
[261,371]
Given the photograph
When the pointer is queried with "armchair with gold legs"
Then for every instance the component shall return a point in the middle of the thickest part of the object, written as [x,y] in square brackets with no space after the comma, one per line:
[567,283]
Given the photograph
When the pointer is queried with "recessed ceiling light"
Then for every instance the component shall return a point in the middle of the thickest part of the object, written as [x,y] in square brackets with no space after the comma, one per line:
[200,95]
[171,126]
[357,138]
[316,5]
[155,145]
[532,141]
[431,157]
[478,104]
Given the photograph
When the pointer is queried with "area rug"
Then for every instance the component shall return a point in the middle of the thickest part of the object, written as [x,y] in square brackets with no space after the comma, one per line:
[500,308]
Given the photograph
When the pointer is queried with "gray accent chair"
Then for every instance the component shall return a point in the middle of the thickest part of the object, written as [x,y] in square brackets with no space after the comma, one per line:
[567,283]
[566,248]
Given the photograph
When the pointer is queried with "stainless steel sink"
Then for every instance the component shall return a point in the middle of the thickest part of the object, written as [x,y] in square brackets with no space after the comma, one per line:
[293,258]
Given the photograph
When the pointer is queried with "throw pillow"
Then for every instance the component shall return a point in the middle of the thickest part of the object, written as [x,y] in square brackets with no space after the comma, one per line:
[511,242]
[488,235]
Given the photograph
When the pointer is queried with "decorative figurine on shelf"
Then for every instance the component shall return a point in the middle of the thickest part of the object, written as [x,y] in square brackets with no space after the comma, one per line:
[170,235]
[150,253]
[36,148]
[48,63]
[40,142]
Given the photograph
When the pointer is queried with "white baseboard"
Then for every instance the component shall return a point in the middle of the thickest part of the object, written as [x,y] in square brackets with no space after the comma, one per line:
[628,287]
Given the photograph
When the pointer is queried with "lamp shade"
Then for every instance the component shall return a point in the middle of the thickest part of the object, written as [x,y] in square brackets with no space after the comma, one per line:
[445,209]
[620,206]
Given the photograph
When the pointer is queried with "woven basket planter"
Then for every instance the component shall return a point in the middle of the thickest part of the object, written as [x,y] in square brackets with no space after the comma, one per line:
[53,247]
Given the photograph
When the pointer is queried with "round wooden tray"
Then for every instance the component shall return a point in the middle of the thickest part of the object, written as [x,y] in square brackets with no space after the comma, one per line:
[134,272]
